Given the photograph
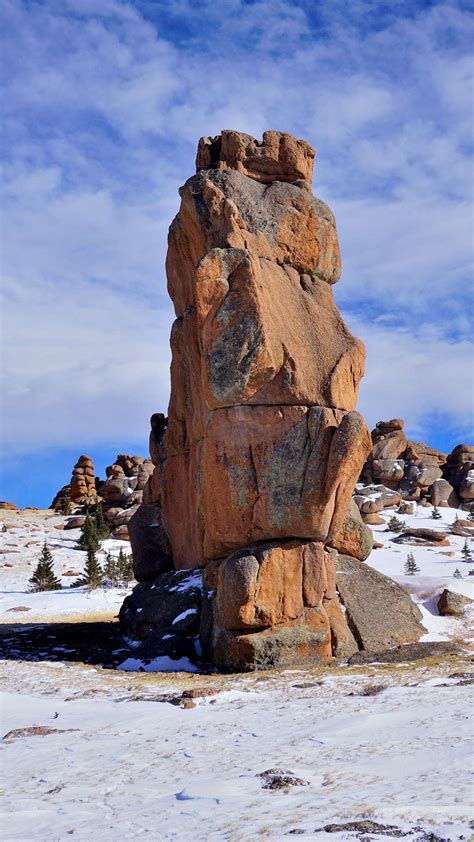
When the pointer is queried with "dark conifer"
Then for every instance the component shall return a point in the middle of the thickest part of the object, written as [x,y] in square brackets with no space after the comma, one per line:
[43,578]
[93,574]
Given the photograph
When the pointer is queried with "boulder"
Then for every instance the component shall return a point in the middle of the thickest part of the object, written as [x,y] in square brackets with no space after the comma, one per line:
[76,522]
[150,548]
[442,493]
[420,535]
[452,604]
[390,446]
[277,157]
[379,612]
[371,519]
[388,469]
[354,538]
[295,642]
[384,427]
[11,507]
[165,614]
[407,508]
[464,528]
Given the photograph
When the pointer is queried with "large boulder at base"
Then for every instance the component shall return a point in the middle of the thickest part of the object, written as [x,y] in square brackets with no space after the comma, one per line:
[354,538]
[379,612]
[150,547]
[301,641]
[452,604]
[164,614]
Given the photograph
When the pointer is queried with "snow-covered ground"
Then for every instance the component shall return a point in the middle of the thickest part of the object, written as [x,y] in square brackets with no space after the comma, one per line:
[130,757]
[436,564]
[20,547]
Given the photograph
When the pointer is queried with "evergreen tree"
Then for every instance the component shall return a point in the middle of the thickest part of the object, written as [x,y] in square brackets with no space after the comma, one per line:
[457,574]
[124,567]
[411,567]
[43,578]
[103,530]
[89,538]
[93,574]
[66,507]
[395,524]
[435,514]
[466,552]
[4,528]
[471,512]
[110,569]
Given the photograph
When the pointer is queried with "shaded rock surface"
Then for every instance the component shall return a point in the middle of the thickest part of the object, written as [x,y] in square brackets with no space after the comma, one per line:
[452,604]
[380,613]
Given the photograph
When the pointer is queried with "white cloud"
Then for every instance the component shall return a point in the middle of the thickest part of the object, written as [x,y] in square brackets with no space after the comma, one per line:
[103,109]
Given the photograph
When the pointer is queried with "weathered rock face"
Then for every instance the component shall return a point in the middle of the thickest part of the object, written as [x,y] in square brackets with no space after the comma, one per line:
[380,613]
[262,440]
[256,462]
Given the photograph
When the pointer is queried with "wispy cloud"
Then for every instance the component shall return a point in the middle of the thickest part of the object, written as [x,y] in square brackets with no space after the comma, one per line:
[103,105]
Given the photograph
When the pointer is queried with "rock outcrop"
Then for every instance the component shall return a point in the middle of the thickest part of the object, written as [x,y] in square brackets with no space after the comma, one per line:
[418,472]
[121,493]
[82,489]
[257,460]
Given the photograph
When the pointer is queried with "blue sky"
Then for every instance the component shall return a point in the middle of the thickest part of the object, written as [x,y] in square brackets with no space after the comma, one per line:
[103,103]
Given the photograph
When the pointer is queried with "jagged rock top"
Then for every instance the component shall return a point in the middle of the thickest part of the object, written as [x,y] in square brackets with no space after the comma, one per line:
[277,157]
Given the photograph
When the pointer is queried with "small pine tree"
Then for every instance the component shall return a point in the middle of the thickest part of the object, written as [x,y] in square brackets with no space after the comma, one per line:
[411,567]
[435,514]
[466,552]
[457,574]
[124,567]
[4,528]
[110,570]
[103,530]
[395,524]
[66,507]
[93,574]
[43,578]
[471,512]
[89,538]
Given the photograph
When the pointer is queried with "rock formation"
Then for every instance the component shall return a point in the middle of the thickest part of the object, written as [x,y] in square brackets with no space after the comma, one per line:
[257,461]
[416,471]
[82,485]
[121,493]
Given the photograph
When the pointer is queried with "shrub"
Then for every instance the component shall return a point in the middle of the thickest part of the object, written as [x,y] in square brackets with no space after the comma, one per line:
[395,524]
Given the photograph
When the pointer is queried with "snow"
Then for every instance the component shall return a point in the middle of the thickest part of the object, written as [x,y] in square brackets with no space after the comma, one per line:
[161,664]
[20,547]
[130,768]
[184,614]
[125,763]
[437,565]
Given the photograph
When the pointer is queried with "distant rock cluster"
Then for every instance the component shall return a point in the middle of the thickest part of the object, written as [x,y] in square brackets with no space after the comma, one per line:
[413,471]
[120,493]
